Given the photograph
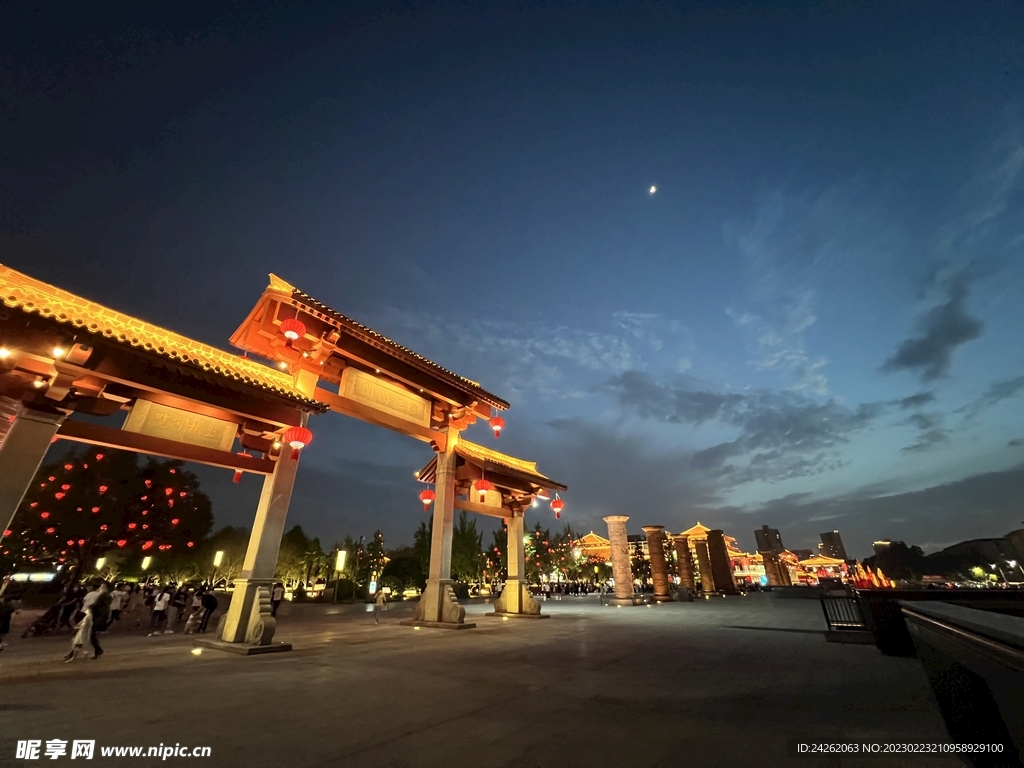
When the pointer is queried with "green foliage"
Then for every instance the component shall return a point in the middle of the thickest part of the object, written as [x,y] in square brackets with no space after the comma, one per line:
[497,554]
[421,543]
[467,549]
[375,555]
[406,570]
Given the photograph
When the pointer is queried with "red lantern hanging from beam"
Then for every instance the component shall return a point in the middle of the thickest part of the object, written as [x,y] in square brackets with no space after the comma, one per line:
[292,329]
[482,487]
[557,505]
[238,473]
[427,496]
[497,424]
[298,438]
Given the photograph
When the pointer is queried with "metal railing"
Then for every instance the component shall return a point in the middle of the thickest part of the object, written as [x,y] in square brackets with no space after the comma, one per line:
[842,613]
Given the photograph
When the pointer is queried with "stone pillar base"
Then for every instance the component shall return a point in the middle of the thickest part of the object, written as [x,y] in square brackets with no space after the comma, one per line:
[516,600]
[664,598]
[634,600]
[248,618]
[438,605]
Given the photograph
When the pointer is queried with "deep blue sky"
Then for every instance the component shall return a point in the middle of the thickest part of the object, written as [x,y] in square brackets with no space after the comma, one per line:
[815,322]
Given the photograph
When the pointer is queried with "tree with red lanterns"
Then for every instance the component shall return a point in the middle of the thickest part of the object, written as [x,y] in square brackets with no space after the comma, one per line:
[93,501]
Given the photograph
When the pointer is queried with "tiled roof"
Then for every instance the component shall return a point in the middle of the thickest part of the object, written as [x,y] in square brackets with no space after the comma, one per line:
[24,293]
[481,455]
[468,385]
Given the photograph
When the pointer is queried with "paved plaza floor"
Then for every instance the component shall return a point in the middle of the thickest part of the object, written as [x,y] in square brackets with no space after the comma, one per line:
[722,682]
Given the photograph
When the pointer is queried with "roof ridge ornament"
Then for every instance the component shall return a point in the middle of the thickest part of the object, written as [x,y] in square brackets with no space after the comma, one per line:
[277,284]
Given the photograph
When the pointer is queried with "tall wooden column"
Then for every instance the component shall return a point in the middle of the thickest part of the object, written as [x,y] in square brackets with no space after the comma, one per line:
[721,564]
[659,568]
[621,569]
[707,579]
[684,562]
[248,617]
[21,453]
[515,599]
[438,605]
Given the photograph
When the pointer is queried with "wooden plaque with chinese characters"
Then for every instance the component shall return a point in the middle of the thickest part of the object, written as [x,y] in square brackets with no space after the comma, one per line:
[155,420]
[381,395]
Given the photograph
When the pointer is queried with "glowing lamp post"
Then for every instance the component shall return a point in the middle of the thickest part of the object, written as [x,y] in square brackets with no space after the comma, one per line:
[146,562]
[298,438]
[218,558]
[292,329]
[339,566]
[100,562]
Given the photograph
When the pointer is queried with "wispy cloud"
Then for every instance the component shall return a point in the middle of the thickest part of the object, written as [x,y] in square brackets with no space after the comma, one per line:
[943,329]
[996,393]
[779,434]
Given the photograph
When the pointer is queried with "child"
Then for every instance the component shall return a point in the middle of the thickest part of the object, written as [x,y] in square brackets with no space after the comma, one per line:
[84,630]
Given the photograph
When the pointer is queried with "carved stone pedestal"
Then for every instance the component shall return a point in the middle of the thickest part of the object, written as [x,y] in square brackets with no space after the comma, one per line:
[438,607]
[248,620]
[517,602]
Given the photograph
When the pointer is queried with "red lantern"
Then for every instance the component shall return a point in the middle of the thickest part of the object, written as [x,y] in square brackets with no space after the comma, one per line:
[65,487]
[175,521]
[99,457]
[558,505]
[131,526]
[482,487]
[122,542]
[103,489]
[8,532]
[238,473]
[44,515]
[81,542]
[58,495]
[71,542]
[95,510]
[50,530]
[298,438]
[427,496]
[69,466]
[292,329]
[148,545]
[191,544]
[103,527]
[497,424]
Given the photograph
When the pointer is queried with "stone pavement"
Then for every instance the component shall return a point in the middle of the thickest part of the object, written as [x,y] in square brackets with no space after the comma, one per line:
[722,682]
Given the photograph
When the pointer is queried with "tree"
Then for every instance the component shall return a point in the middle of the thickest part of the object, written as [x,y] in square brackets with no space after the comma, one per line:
[375,556]
[230,540]
[406,569]
[497,554]
[292,557]
[92,501]
[421,543]
[540,560]
[467,546]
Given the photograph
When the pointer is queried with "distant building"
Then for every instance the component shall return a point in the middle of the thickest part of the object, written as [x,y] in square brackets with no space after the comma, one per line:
[832,545]
[884,544]
[803,554]
[769,540]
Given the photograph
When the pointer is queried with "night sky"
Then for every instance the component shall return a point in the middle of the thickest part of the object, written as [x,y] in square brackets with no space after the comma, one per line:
[815,322]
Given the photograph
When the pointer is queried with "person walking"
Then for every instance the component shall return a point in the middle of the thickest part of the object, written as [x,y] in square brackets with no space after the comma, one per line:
[100,610]
[209,606]
[118,601]
[276,596]
[379,602]
[159,615]
[176,610]
[82,632]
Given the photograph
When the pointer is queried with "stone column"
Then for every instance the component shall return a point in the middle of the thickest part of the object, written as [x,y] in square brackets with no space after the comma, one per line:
[21,453]
[659,568]
[707,580]
[773,569]
[248,616]
[515,598]
[438,604]
[620,556]
[721,565]
[684,562]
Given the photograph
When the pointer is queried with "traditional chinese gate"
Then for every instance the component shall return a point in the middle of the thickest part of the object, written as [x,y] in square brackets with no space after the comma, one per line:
[63,355]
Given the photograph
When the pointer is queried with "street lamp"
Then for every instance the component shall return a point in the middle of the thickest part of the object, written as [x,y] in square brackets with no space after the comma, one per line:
[100,562]
[339,566]
[218,558]
[146,562]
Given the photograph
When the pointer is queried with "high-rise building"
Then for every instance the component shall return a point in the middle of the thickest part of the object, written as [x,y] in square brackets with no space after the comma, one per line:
[884,544]
[769,540]
[832,545]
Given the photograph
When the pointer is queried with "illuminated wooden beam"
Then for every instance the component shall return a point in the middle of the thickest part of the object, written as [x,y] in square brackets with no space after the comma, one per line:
[482,509]
[110,437]
[358,410]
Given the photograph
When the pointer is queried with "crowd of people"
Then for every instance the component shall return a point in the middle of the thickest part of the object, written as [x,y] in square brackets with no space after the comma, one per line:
[91,611]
